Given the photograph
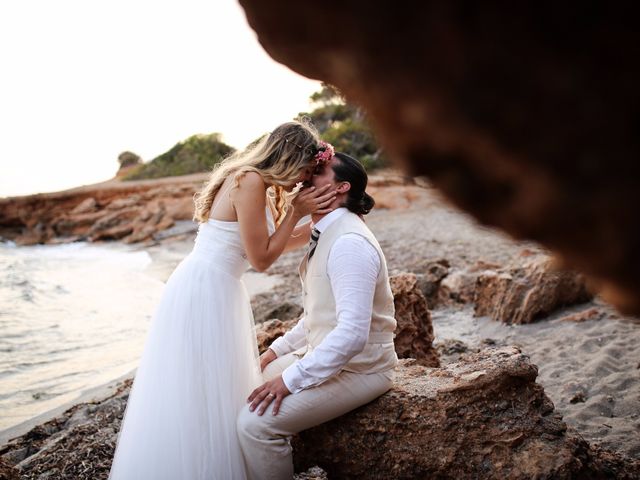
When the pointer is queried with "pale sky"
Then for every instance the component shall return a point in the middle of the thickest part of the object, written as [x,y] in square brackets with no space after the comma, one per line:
[83,80]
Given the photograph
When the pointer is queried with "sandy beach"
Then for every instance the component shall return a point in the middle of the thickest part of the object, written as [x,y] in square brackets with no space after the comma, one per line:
[588,368]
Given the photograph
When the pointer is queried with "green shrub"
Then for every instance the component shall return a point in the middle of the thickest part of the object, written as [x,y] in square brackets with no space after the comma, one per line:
[198,153]
[356,139]
[345,126]
[128,159]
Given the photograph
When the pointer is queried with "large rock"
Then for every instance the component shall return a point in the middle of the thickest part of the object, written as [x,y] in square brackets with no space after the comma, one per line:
[268,306]
[524,114]
[483,417]
[459,286]
[526,293]
[414,330]
[430,275]
[268,331]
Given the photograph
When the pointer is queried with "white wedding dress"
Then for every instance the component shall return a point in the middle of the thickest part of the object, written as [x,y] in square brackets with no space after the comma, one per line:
[199,365]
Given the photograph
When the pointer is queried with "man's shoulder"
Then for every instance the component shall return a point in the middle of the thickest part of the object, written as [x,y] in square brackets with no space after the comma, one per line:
[350,232]
[353,238]
[356,246]
[355,254]
[351,221]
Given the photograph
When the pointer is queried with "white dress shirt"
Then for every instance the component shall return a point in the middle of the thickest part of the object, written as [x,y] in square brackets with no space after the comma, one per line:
[353,267]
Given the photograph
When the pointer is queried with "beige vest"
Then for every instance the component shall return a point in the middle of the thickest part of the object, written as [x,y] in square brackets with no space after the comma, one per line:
[320,307]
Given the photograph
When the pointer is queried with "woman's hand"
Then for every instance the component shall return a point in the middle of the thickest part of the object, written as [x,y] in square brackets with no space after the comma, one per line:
[262,396]
[249,201]
[266,358]
[313,200]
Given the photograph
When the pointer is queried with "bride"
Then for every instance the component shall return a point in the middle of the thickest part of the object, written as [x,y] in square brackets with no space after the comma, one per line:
[200,359]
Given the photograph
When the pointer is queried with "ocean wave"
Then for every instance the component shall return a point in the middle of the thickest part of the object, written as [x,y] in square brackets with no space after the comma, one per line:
[70,316]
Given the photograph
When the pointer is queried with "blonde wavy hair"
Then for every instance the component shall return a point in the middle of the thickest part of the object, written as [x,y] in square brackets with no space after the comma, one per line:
[278,157]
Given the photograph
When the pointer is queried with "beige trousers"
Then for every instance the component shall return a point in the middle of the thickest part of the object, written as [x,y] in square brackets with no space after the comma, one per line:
[265,439]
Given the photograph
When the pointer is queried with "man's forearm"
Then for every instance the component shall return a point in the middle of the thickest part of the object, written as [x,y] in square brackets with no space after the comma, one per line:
[335,351]
[290,341]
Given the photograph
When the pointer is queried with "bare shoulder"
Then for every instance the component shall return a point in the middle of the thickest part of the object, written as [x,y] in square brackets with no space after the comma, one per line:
[251,189]
[251,181]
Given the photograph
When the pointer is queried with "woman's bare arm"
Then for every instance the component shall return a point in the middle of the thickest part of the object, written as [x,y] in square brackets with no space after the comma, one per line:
[249,201]
[299,237]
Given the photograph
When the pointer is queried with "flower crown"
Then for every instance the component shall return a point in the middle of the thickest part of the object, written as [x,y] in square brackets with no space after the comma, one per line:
[325,153]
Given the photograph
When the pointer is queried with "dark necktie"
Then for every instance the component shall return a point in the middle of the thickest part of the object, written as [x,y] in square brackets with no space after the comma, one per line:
[315,235]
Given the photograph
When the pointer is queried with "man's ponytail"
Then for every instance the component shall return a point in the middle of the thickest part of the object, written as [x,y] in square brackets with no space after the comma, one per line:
[348,169]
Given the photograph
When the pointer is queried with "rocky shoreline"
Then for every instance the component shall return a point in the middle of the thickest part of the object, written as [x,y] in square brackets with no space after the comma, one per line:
[460,286]
[137,211]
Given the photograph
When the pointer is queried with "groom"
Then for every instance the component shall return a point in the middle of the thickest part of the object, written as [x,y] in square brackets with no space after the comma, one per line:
[340,355]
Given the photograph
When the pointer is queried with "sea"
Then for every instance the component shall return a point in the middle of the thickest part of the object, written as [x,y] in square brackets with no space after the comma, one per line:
[72,317]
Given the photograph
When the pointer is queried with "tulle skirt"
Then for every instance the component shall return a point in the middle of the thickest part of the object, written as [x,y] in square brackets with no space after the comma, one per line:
[199,364]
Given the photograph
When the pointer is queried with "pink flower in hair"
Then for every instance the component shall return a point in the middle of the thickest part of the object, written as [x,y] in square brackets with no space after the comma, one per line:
[325,153]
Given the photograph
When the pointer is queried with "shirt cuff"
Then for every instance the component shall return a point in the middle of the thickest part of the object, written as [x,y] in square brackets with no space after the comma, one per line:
[292,379]
[279,347]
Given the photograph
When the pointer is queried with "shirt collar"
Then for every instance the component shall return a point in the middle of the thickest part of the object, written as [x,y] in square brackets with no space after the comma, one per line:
[329,218]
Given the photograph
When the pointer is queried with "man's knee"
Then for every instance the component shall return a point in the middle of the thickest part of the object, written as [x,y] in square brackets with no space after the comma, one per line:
[275,368]
[271,371]
[250,424]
